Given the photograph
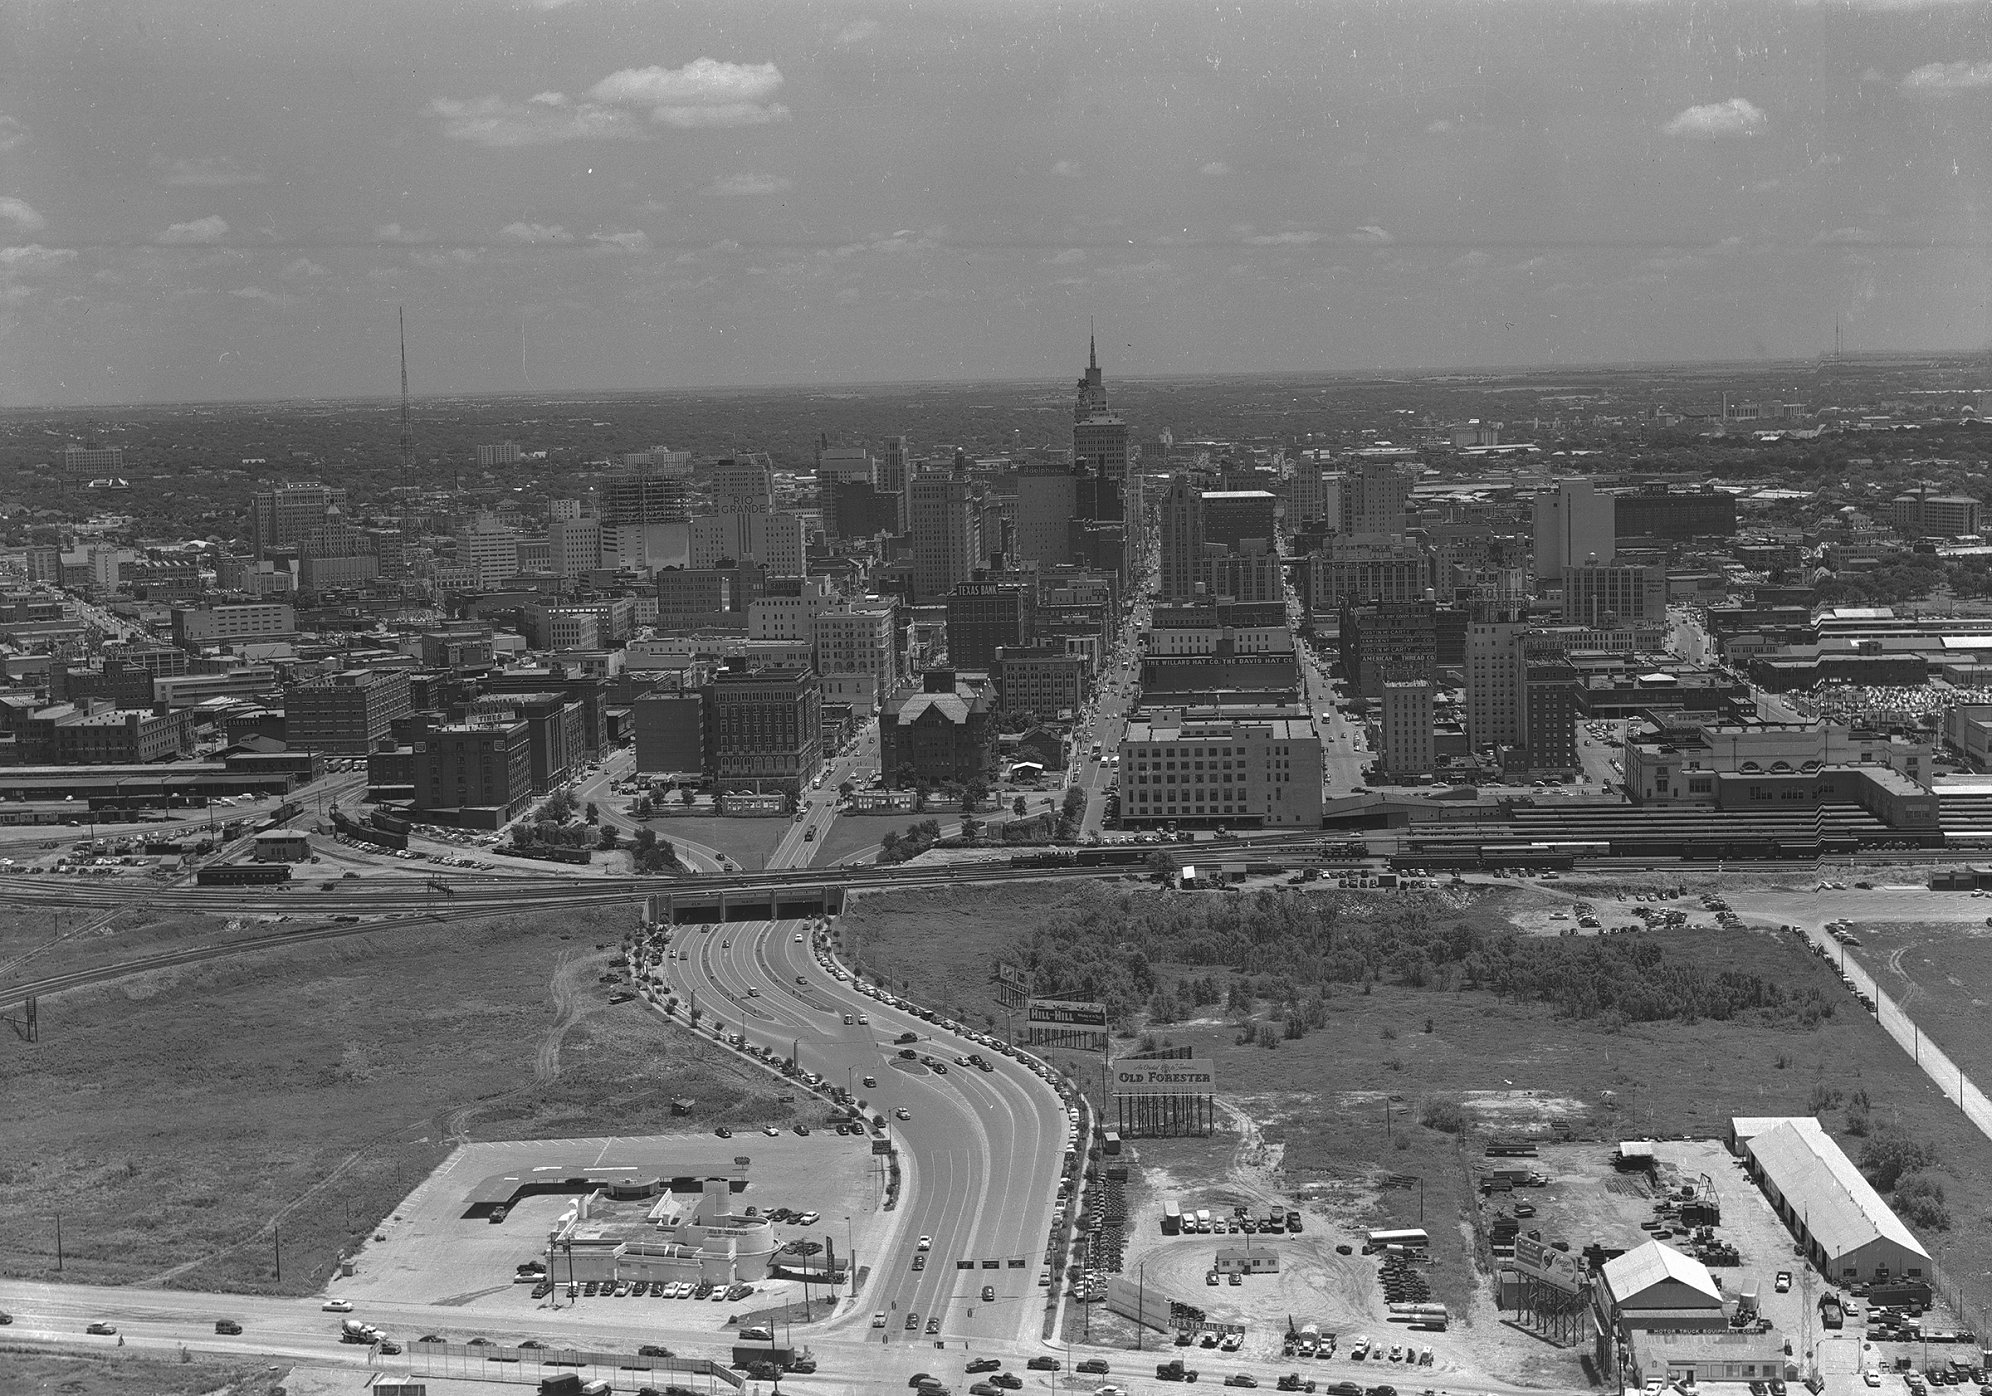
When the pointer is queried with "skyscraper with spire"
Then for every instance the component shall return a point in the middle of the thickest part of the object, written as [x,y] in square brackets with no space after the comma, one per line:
[1109,489]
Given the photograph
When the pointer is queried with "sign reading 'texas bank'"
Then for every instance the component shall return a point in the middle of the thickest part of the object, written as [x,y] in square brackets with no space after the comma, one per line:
[1182,1076]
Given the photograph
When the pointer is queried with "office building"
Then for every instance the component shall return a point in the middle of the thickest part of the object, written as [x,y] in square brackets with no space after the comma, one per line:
[1607,596]
[1203,771]
[770,540]
[1047,503]
[1574,525]
[504,453]
[1234,518]
[1251,577]
[347,713]
[845,511]
[574,545]
[490,551]
[744,484]
[1496,683]
[251,622]
[858,637]
[93,459]
[280,518]
[1405,726]
[1182,542]
[1048,680]
[1314,496]
[947,534]
[985,616]
[1374,494]
[787,608]
[336,556]
[670,733]
[485,767]
[1387,642]
[1926,515]
[763,728]
[556,731]
[1357,568]
[1552,706]
[1657,512]
[643,510]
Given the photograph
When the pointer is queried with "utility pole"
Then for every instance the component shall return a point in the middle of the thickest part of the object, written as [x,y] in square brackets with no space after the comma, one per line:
[58,1243]
[277,1236]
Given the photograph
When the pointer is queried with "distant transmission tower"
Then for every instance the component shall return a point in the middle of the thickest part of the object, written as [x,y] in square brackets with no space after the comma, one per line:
[407,437]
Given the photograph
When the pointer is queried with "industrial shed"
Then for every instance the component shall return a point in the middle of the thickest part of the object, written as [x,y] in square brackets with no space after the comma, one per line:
[1248,1260]
[1845,1228]
[1656,1288]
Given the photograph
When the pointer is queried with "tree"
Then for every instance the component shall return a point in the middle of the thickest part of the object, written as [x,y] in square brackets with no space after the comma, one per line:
[1017,807]
[1888,1155]
[846,790]
[645,840]
[592,815]
[890,840]
[971,828]
[685,796]
[611,836]
[789,802]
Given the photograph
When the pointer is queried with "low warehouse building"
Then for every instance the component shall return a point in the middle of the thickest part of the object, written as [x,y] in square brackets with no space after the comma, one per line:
[1656,1288]
[282,846]
[1248,1260]
[1690,1359]
[1845,1228]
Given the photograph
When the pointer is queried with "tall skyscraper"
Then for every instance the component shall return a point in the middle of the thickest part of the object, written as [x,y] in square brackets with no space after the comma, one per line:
[1047,502]
[280,517]
[1182,538]
[1573,526]
[1100,450]
[1496,683]
[947,533]
[744,484]
[1373,497]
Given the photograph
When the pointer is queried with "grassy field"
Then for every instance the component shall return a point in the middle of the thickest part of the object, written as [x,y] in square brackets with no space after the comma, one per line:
[1342,1107]
[172,1118]
[128,1373]
[39,941]
[747,841]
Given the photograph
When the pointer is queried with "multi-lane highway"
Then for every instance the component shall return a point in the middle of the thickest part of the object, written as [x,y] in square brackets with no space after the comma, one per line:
[981,1151]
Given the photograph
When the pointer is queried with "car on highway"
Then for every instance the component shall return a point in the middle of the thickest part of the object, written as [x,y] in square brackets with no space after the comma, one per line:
[902,1113]
[984,1364]
[337,1306]
[809,1218]
[933,1326]
[989,1294]
[1097,1366]
[430,1338]
[926,1243]
[919,1262]
[752,992]
[771,1131]
[1784,1282]
[227,1325]
[983,1388]
[871,1082]
[912,1321]
[102,1330]
[798,940]
[478,1343]
[647,1350]
[1245,1379]
[5,1318]
[723,1132]
[1043,1364]
[906,1037]
[1009,1381]
[861,1017]
[802,1130]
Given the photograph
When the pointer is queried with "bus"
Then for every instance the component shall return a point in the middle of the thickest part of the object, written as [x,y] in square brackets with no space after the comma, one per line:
[1172,1219]
[1410,1238]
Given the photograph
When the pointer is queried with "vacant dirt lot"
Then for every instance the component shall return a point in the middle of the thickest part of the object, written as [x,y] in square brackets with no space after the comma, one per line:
[132,1373]
[172,1118]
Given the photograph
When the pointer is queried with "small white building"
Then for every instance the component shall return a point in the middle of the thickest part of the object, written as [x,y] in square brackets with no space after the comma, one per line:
[1844,1226]
[1656,1288]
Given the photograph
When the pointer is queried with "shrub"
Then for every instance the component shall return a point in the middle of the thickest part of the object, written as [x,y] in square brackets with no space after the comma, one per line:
[1444,1115]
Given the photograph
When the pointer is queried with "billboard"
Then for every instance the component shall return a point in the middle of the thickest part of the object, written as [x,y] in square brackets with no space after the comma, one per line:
[1183,1076]
[1015,976]
[1541,1261]
[1071,1013]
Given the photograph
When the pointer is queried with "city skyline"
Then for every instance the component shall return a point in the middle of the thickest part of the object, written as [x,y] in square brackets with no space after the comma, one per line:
[591,196]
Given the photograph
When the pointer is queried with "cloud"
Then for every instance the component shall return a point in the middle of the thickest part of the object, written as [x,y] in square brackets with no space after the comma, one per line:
[1949,77]
[534,234]
[208,229]
[855,33]
[1369,232]
[631,241]
[501,125]
[1066,169]
[12,133]
[203,172]
[1302,237]
[704,93]
[33,256]
[394,232]
[21,215]
[1216,169]
[748,185]
[1735,117]
[257,293]
[303,269]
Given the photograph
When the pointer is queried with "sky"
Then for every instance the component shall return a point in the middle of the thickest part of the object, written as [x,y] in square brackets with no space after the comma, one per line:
[228,199]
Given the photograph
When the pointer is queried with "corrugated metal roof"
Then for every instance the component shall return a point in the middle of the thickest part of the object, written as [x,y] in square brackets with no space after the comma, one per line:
[1821,1184]
[1653,1263]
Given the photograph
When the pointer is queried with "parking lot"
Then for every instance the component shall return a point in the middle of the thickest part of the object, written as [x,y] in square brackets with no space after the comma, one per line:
[428,1252]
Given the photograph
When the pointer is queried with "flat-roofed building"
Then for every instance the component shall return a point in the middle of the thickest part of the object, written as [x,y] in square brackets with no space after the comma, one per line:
[485,766]
[1405,721]
[346,713]
[1185,768]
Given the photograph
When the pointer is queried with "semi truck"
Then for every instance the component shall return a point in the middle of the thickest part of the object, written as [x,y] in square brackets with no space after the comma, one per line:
[1174,1370]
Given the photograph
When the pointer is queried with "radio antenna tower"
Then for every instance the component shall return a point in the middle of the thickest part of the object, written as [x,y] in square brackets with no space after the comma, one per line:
[407,438]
